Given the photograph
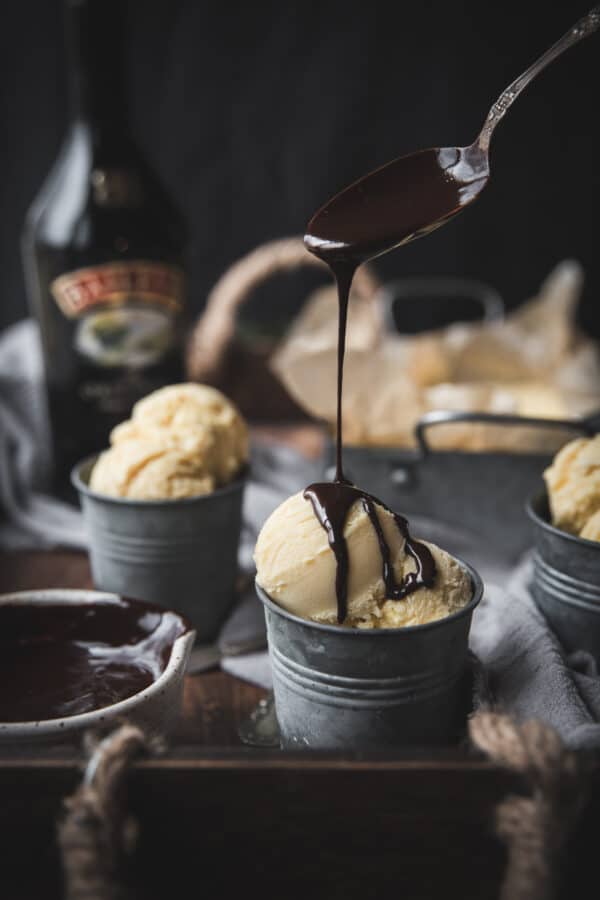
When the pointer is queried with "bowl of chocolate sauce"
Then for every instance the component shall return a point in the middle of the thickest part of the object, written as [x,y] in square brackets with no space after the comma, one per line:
[72,660]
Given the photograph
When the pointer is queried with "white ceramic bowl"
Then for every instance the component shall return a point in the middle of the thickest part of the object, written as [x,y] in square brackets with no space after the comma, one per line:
[155,709]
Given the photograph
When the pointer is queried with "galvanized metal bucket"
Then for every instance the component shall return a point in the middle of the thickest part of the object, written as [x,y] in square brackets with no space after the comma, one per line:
[370,689]
[482,492]
[566,581]
[181,554]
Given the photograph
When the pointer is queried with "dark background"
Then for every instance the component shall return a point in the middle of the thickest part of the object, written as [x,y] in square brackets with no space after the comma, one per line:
[255,113]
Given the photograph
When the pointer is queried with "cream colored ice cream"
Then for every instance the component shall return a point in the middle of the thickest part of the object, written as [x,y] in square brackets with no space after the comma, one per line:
[296,568]
[573,483]
[181,440]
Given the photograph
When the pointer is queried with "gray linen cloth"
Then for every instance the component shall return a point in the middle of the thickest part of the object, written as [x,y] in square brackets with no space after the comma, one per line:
[526,671]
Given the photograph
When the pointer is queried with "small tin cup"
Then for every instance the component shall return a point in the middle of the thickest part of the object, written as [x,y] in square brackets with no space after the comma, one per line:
[566,581]
[181,554]
[370,689]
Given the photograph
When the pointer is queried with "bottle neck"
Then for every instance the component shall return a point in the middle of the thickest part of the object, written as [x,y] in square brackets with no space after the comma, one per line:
[95,34]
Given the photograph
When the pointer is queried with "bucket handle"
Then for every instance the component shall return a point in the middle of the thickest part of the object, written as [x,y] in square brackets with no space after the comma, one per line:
[490,300]
[588,426]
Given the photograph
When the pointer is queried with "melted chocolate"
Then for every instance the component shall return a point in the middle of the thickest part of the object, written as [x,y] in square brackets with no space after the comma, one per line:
[344,273]
[332,502]
[59,660]
[397,203]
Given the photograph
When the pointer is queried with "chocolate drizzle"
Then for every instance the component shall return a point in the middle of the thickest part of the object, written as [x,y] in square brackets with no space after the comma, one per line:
[397,203]
[332,502]
[343,275]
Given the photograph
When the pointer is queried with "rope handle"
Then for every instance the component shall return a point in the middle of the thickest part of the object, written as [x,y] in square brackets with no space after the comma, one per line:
[535,828]
[215,327]
[95,830]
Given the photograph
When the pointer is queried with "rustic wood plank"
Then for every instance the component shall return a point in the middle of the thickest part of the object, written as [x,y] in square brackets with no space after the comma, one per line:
[214,704]
[320,831]
[30,570]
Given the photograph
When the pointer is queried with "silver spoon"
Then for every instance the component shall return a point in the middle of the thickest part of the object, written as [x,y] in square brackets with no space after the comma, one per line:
[414,194]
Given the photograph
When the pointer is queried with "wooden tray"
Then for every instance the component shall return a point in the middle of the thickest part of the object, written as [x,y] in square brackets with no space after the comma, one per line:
[219,817]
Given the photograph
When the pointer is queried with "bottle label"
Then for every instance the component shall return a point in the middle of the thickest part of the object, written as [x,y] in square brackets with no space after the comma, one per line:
[116,283]
[125,312]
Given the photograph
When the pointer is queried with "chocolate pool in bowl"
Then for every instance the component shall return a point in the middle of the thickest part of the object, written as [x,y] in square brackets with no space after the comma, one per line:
[72,660]
[566,580]
[178,553]
[355,689]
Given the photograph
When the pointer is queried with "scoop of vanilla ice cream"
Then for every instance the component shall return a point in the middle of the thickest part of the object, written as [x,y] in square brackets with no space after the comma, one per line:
[296,568]
[181,440]
[573,483]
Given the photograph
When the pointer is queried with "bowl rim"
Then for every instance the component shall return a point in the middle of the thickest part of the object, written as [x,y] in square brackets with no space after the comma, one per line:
[478,590]
[542,497]
[83,488]
[66,724]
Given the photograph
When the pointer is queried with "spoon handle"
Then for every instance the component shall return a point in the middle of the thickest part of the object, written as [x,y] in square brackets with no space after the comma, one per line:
[584,27]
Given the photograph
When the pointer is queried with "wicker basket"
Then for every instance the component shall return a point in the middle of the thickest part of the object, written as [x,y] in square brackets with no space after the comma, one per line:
[215,354]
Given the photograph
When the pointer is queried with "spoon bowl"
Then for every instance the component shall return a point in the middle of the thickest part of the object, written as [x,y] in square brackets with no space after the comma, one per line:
[402,200]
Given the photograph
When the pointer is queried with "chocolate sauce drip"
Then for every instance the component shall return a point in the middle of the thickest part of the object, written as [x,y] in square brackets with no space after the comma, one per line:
[59,660]
[332,502]
[397,203]
[343,275]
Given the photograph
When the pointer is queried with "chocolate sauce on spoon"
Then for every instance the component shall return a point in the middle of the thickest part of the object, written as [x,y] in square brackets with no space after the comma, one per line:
[395,204]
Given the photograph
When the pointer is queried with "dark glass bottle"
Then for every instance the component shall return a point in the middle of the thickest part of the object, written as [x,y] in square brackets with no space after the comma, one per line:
[103,252]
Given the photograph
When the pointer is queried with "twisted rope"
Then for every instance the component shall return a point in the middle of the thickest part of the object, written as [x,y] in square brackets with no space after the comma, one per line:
[534,828]
[215,328]
[95,830]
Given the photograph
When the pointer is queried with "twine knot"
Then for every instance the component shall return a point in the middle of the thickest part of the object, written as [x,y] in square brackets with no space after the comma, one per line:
[534,828]
[95,830]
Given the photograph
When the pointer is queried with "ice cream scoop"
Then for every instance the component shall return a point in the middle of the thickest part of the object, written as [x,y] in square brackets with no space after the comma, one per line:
[297,568]
[573,485]
[181,441]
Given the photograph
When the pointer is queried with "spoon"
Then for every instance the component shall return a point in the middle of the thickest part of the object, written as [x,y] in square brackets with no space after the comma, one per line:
[415,194]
